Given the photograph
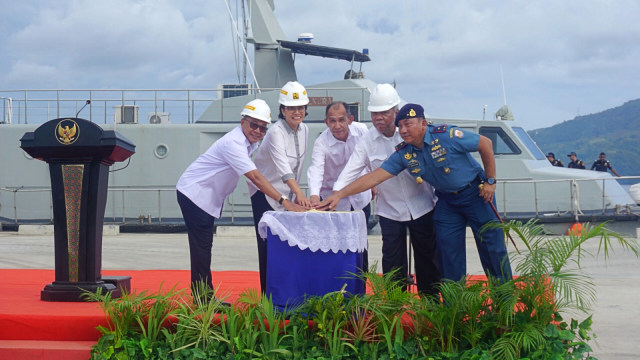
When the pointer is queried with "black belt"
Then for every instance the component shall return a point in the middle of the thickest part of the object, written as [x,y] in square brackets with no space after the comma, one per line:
[473,182]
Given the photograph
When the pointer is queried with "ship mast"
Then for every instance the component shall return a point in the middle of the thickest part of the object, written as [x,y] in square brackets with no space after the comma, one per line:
[245,34]
[241,39]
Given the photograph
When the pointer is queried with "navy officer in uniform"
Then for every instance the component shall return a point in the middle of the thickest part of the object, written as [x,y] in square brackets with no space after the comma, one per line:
[575,162]
[441,156]
[552,159]
[602,164]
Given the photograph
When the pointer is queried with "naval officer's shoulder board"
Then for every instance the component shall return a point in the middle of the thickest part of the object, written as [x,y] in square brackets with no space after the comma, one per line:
[401,145]
[436,129]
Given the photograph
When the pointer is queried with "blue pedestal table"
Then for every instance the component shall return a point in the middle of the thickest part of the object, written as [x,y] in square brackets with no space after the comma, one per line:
[312,254]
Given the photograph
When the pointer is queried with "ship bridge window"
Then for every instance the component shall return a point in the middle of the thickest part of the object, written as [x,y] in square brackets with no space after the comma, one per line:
[529,143]
[502,143]
[354,109]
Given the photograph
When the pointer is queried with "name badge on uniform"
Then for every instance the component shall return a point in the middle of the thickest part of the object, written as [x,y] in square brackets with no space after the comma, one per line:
[437,153]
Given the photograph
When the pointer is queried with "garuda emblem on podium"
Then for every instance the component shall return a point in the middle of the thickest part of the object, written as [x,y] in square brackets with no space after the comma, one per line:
[67,132]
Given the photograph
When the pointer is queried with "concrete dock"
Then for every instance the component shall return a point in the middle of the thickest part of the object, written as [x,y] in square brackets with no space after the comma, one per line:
[616,315]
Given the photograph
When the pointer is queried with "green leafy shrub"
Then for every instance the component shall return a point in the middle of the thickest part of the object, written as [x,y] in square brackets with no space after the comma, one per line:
[517,319]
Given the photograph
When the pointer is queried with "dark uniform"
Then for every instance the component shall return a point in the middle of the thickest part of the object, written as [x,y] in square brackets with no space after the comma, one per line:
[578,164]
[554,162]
[600,165]
[446,163]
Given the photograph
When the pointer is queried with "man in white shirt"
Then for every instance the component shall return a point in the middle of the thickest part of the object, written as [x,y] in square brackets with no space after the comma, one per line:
[212,177]
[331,151]
[402,204]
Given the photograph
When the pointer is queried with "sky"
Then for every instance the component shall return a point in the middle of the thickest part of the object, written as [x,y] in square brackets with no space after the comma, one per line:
[556,59]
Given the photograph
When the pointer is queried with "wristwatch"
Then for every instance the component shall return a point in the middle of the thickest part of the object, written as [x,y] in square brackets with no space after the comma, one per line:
[282,199]
[491,181]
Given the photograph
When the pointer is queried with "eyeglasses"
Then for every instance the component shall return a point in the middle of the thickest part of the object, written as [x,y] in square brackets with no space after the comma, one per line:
[254,126]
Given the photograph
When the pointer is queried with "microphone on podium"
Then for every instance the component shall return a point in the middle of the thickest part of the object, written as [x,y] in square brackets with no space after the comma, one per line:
[83,106]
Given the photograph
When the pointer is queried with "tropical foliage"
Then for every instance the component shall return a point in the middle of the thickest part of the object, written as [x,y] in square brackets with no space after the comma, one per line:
[518,319]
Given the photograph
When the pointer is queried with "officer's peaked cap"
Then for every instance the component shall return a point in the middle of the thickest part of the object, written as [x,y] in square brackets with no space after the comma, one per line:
[409,111]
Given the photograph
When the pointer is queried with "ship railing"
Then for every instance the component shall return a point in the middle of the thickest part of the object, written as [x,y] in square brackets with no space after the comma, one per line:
[183,105]
[7,110]
[572,194]
[15,191]
[119,209]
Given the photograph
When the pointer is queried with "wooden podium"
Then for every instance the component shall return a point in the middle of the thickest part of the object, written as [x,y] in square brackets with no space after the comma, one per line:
[79,154]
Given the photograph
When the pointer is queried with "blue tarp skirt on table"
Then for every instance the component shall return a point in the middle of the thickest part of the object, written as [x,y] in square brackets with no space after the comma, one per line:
[293,274]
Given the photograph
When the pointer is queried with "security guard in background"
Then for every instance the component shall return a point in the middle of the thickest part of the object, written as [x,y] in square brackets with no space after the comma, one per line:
[441,156]
[575,163]
[552,159]
[603,164]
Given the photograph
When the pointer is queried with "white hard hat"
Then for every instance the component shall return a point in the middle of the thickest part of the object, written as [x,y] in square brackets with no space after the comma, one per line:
[383,98]
[257,109]
[293,94]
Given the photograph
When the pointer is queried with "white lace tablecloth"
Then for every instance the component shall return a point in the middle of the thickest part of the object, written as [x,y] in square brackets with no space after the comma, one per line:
[317,230]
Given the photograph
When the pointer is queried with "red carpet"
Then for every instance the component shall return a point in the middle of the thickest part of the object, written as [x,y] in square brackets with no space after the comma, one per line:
[35,329]
[23,316]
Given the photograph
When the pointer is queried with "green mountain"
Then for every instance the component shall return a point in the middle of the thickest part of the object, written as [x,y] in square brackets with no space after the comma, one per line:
[614,131]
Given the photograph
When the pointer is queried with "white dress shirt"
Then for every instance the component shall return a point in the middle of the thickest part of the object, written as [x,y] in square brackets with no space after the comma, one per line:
[213,176]
[400,198]
[280,158]
[329,157]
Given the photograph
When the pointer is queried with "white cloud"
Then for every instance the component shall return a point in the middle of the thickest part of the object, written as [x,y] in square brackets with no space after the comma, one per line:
[557,57]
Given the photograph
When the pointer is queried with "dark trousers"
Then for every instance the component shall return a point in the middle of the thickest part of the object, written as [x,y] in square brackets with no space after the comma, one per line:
[259,205]
[423,241]
[200,230]
[452,215]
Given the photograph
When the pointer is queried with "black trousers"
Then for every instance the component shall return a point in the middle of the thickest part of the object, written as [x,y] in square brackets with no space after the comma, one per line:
[259,205]
[200,228]
[423,240]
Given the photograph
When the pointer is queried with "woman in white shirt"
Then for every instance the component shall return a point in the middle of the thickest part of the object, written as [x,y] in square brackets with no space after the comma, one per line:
[280,159]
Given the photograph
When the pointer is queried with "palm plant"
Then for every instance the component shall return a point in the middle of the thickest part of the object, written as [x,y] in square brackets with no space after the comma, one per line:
[552,281]
[135,321]
[197,320]
[122,313]
[555,263]
[520,318]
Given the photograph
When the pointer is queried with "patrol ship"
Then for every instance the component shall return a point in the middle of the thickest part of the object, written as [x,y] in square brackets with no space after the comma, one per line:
[142,191]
